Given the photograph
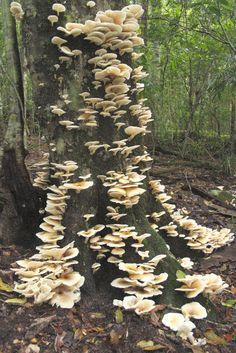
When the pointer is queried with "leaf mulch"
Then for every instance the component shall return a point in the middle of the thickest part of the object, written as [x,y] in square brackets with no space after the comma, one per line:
[95,325]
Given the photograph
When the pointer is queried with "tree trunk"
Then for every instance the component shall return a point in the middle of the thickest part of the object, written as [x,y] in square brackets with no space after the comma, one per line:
[18,200]
[233,127]
[50,85]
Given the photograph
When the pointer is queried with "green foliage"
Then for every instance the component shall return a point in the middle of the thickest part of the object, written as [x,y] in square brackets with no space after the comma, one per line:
[190,56]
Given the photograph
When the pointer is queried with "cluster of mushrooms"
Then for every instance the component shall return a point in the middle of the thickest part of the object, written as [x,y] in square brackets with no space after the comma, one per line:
[195,284]
[181,323]
[16,10]
[48,276]
[140,284]
[199,237]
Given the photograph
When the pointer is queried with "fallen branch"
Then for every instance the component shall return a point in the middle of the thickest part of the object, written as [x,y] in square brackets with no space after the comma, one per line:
[205,195]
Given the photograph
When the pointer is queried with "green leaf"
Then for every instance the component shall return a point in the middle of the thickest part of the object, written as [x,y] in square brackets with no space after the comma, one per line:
[119,316]
[230,303]
[180,274]
[16,301]
[5,287]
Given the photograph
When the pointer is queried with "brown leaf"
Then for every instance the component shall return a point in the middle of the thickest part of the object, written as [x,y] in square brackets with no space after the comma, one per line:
[213,338]
[197,349]
[155,319]
[59,340]
[38,326]
[79,334]
[159,307]
[233,290]
[116,334]
[32,348]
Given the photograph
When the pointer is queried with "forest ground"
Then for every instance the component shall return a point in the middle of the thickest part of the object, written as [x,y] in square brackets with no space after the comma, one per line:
[95,325]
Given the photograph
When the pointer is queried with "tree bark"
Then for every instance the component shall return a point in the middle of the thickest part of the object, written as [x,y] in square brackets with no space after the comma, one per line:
[73,79]
[18,200]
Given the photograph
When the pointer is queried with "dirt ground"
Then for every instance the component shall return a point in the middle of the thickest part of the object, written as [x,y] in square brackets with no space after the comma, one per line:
[95,325]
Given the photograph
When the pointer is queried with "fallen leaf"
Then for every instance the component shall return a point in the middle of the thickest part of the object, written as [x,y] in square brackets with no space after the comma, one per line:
[115,337]
[38,325]
[85,349]
[144,344]
[32,348]
[155,319]
[98,316]
[5,287]
[156,347]
[229,337]
[213,338]
[59,340]
[229,303]
[159,307]
[79,334]
[197,349]
[233,290]
[119,316]
[16,301]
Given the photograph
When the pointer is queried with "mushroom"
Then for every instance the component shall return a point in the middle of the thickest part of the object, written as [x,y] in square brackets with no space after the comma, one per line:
[91,4]
[186,263]
[52,19]
[192,285]
[144,306]
[58,111]
[133,131]
[195,310]
[173,320]
[58,41]
[58,8]
[16,10]
[185,330]
[214,284]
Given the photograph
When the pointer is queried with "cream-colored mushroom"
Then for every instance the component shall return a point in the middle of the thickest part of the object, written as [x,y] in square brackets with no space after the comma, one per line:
[58,8]
[173,320]
[195,310]
[52,19]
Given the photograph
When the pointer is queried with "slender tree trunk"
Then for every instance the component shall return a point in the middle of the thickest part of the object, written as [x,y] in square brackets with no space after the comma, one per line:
[233,127]
[18,200]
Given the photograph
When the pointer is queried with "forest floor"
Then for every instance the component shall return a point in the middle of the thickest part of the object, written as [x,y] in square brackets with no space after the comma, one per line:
[95,325]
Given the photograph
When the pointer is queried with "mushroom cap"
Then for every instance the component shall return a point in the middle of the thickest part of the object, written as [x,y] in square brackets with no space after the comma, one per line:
[192,285]
[173,320]
[123,283]
[53,19]
[144,306]
[186,263]
[58,7]
[91,4]
[214,283]
[71,279]
[185,330]
[195,310]
[64,297]
[130,302]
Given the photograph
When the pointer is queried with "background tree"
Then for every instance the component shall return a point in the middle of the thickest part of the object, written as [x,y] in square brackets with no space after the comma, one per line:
[18,200]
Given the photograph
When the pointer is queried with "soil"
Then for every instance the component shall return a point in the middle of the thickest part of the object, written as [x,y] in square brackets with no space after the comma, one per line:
[95,325]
